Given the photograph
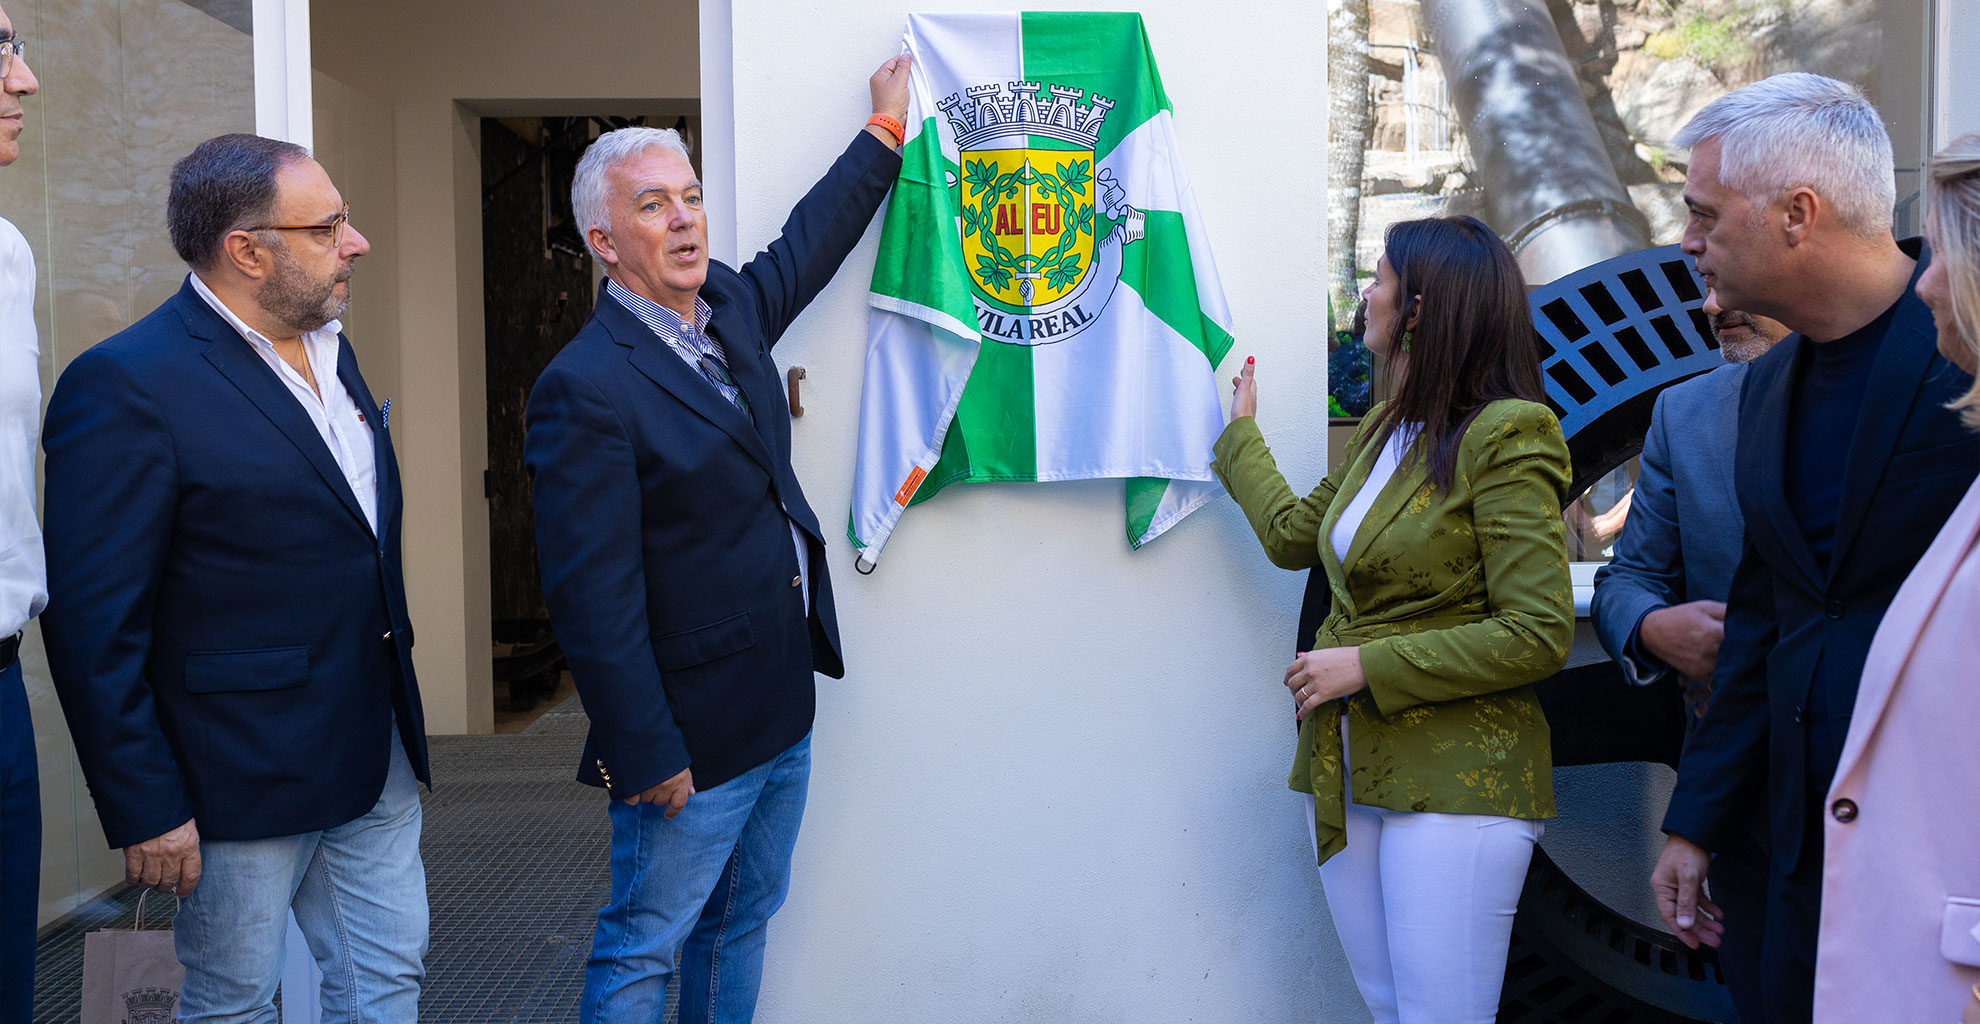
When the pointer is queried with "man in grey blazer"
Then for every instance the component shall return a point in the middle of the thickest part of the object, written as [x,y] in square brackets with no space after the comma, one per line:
[1659,606]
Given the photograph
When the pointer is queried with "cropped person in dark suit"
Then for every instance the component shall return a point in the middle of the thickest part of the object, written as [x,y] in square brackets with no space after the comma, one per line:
[683,568]
[1659,607]
[1849,462]
[23,580]
[227,617]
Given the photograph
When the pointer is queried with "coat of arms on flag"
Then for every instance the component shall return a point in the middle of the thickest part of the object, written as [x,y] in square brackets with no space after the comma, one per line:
[1045,304]
[1028,201]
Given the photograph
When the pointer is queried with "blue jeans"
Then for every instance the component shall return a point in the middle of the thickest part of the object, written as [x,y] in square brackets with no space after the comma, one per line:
[703,884]
[359,893]
[20,848]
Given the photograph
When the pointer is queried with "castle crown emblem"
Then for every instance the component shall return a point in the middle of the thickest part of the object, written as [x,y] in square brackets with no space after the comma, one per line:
[997,111]
[151,1005]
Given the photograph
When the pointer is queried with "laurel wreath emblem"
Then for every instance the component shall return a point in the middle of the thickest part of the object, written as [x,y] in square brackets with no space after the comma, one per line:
[1059,265]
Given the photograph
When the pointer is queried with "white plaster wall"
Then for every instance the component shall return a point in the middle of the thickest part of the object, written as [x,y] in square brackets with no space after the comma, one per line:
[1051,787]
[1959,69]
[351,136]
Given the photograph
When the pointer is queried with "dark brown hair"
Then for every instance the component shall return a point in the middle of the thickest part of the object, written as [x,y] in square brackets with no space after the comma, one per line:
[1474,342]
[223,185]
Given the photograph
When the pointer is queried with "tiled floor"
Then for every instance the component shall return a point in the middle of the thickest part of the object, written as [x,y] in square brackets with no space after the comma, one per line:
[516,871]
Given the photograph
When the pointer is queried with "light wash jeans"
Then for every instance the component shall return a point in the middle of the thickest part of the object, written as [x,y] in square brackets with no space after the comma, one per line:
[703,884]
[359,893]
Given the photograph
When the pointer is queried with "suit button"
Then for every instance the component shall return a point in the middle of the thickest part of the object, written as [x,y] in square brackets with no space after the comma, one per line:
[1797,715]
[1844,810]
[385,637]
[1836,609]
[797,581]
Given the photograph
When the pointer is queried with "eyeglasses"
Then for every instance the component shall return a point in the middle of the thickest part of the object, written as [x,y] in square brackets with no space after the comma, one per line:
[335,227]
[10,51]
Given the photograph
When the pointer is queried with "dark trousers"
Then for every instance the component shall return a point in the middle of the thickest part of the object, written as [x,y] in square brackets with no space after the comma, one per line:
[1739,881]
[20,849]
[1794,919]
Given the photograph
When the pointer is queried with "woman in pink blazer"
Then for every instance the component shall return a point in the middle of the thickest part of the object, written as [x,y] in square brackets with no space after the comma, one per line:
[1900,938]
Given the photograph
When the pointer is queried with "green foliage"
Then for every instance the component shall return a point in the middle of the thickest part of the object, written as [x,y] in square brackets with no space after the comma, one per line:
[1713,40]
[1660,159]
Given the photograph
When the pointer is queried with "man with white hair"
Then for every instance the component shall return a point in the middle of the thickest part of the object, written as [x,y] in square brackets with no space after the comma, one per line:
[1848,463]
[683,567]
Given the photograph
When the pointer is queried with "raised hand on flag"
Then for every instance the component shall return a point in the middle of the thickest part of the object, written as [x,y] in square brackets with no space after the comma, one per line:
[889,86]
[1244,397]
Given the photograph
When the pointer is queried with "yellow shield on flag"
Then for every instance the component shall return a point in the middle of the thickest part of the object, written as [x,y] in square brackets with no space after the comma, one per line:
[1027,223]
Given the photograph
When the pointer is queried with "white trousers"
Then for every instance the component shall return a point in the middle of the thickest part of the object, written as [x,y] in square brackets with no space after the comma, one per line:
[1424,903]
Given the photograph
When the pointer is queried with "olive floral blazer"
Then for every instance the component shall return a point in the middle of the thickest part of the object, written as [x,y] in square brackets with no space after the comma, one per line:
[1458,602]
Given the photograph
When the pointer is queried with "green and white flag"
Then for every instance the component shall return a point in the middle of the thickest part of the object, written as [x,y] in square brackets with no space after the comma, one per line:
[1044,305]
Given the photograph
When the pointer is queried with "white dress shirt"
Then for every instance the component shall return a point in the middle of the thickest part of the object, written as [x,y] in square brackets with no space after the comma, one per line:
[690,341]
[335,412]
[23,571]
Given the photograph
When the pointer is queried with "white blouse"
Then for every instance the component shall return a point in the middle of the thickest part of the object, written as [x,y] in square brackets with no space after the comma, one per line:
[1386,461]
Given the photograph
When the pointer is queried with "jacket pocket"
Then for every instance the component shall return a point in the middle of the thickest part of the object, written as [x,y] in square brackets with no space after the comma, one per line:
[267,668]
[1918,464]
[703,644]
[1958,941]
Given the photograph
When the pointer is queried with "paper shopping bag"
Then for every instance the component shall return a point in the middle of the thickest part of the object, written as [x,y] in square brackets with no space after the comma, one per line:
[131,975]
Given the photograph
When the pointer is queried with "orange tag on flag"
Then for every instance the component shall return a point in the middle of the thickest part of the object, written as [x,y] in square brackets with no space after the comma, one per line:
[907,489]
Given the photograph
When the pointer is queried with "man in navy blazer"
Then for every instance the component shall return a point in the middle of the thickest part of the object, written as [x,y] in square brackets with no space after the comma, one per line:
[1848,464]
[682,566]
[227,618]
[1659,606]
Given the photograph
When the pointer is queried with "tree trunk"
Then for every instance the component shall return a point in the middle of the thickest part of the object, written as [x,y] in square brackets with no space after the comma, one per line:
[1350,123]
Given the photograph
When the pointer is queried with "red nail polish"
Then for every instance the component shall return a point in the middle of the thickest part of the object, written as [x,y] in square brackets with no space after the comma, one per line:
[1250,359]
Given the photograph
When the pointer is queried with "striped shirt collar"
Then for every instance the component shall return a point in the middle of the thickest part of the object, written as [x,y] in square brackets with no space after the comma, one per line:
[691,340]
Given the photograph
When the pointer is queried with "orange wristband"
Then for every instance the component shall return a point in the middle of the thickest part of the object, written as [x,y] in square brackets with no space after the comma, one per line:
[894,128]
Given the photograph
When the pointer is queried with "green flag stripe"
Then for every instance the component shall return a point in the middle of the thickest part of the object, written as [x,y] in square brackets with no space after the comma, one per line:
[1144,499]
[996,420]
[922,260]
[1159,269]
[1086,51]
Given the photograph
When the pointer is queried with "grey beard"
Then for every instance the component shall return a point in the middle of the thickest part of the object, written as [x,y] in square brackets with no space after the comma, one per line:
[1743,351]
[297,302]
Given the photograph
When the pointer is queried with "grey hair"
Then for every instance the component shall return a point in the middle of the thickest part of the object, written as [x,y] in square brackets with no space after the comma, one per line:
[1952,226]
[588,199]
[1797,130]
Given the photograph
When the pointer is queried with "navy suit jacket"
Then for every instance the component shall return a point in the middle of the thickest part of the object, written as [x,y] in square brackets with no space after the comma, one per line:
[663,515]
[1681,540]
[228,637]
[1790,626]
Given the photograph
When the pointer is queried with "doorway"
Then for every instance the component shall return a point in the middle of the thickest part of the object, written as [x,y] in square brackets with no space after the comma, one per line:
[539,284]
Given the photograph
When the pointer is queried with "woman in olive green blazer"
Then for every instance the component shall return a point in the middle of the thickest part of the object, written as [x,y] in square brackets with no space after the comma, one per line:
[1450,600]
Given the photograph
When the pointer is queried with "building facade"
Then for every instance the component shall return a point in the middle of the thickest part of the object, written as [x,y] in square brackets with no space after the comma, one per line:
[1050,787]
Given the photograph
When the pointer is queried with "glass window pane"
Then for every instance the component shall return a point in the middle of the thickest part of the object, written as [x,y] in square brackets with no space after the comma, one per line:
[127,88]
